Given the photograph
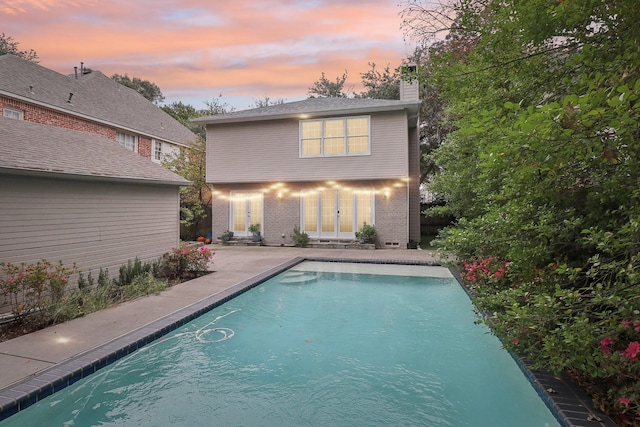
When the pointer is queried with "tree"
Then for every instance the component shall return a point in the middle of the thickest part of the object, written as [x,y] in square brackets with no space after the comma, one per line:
[144,87]
[183,112]
[265,102]
[542,171]
[190,163]
[325,88]
[8,45]
[380,85]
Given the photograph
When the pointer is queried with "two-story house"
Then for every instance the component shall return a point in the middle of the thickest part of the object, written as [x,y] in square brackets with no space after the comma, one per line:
[325,165]
[91,102]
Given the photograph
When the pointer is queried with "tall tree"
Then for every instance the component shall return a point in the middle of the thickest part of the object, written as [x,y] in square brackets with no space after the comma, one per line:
[325,88]
[8,45]
[149,90]
[265,102]
[542,172]
[183,113]
[380,85]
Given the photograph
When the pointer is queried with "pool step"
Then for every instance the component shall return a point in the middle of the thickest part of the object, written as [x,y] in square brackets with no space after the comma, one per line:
[298,278]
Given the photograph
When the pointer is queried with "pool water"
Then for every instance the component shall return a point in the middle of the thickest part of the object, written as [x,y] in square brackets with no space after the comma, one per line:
[322,344]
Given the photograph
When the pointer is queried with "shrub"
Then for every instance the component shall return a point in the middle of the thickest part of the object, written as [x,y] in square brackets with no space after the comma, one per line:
[367,233]
[300,238]
[185,260]
[31,289]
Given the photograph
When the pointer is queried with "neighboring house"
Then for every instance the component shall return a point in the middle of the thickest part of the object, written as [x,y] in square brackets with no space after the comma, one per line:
[80,198]
[326,165]
[91,102]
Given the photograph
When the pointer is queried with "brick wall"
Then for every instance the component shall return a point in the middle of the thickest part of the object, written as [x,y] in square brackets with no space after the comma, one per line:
[37,114]
[282,214]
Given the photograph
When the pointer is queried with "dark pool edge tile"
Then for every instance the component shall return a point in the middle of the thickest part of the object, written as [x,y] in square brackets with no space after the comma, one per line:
[24,393]
[566,400]
[28,391]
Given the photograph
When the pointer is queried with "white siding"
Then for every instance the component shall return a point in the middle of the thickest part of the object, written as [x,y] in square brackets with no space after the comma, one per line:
[94,224]
[269,151]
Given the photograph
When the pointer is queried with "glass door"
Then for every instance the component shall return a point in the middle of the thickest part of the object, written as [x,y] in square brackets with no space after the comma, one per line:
[336,213]
[246,209]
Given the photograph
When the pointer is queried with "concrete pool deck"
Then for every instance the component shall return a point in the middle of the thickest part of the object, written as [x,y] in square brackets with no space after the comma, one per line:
[40,363]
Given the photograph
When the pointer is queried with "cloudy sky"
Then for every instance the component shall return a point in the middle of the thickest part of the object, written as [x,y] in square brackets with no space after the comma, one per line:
[195,50]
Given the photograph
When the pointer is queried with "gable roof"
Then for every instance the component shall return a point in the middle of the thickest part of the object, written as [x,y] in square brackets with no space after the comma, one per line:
[95,97]
[36,149]
[315,107]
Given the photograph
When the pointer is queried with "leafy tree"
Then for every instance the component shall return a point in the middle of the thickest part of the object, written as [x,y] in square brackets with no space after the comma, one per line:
[190,163]
[380,85]
[265,102]
[325,88]
[542,170]
[144,87]
[217,106]
[8,45]
[183,112]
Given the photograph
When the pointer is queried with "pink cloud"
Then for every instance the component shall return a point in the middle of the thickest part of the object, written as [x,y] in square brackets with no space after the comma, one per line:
[271,47]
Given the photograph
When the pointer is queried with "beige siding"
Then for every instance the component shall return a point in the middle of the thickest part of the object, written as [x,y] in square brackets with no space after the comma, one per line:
[269,151]
[93,224]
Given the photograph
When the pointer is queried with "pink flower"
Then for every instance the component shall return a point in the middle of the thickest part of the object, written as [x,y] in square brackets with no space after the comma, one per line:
[516,341]
[632,350]
[636,325]
[624,400]
[626,323]
[605,345]
[10,280]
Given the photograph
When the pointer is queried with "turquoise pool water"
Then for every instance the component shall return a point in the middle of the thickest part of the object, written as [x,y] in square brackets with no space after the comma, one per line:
[324,344]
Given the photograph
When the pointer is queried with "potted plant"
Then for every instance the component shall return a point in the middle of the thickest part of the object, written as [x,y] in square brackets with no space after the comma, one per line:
[255,229]
[226,235]
[367,233]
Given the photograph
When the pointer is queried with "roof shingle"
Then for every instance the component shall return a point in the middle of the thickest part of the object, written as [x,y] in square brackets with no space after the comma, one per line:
[95,96]
[34,148]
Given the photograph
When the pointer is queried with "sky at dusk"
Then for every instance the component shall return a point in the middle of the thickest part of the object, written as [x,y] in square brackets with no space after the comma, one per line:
[196,50]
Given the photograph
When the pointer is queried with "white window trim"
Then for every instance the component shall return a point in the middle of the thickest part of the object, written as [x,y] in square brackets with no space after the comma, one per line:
[12,113]
[346,146]
[135,140]
[155,142]
[318,234]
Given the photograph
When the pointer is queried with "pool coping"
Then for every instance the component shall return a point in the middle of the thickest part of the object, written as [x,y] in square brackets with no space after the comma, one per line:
[567,401]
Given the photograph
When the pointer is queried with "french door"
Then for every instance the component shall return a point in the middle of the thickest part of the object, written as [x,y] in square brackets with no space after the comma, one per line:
[336,213]
[246,209]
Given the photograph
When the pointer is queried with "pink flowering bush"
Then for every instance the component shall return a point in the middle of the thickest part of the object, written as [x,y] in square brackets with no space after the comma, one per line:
[484,271]
[186,261]
[32,289]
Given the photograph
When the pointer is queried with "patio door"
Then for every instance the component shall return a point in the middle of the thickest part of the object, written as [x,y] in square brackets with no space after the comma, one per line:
[336,213]
[246,209]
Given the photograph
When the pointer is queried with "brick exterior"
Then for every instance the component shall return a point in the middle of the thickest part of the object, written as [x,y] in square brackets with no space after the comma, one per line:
[282,214]
[37,114]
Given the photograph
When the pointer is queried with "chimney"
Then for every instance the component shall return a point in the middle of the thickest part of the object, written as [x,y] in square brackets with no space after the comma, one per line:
[409,83]
[75,71]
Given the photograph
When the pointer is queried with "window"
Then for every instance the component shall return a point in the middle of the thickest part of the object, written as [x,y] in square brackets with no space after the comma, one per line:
[129,141]
[157,150]
[336,213]
[13,113]
[334,137]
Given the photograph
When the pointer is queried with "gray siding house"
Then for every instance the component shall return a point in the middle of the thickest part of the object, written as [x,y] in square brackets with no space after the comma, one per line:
[326,165]
[80,198]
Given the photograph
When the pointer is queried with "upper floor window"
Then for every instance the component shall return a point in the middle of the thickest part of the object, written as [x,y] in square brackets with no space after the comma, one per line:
[334,137]
[157,150]
[13,113]
[129,141]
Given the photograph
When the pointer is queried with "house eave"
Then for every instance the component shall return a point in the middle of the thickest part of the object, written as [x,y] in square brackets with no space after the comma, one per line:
[411,107]
[83,176]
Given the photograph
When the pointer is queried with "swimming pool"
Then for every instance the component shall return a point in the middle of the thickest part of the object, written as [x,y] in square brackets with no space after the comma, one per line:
[317,345]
